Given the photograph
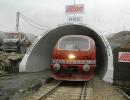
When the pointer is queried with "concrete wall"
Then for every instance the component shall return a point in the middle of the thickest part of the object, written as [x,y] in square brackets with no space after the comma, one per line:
[39,57]
[121,69]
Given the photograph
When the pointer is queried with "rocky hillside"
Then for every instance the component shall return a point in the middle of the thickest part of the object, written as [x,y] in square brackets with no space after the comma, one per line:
[121,39]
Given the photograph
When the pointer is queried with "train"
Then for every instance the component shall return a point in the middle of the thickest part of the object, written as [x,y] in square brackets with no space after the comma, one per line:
[74,58]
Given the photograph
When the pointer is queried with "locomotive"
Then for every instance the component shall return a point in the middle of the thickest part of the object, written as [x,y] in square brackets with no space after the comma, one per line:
[74,58]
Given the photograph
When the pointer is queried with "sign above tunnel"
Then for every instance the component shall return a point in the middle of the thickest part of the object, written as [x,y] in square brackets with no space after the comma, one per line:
[74,19]
[124,57]
[74,9]
[74,13]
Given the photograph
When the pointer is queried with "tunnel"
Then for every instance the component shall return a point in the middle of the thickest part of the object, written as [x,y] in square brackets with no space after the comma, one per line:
[39,55]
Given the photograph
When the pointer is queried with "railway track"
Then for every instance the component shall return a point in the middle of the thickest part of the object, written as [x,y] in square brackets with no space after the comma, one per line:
[63,91]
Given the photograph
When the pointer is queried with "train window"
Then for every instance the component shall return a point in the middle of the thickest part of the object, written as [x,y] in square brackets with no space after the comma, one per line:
[74,43]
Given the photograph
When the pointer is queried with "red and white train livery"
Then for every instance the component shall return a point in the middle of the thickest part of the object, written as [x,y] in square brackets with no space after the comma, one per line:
[74,58]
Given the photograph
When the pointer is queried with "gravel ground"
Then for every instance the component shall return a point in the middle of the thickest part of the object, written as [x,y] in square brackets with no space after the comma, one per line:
[104,91]
[96,90]
[13,85]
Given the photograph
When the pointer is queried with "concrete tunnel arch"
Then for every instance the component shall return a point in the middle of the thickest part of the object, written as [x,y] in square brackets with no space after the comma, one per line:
[39,55]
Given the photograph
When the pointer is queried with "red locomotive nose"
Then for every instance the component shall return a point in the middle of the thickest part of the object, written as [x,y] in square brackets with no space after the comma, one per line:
[74,58]
[73,55]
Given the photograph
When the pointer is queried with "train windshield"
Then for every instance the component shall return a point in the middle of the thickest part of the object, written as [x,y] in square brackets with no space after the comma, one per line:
[74,43]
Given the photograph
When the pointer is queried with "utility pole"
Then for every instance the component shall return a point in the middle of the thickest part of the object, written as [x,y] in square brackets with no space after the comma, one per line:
[17,21]
[74,2]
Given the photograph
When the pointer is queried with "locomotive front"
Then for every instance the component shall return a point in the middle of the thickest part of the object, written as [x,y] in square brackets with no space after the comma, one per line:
[74,58]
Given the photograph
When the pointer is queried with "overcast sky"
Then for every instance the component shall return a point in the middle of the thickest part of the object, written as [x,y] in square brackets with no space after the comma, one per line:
[107,16]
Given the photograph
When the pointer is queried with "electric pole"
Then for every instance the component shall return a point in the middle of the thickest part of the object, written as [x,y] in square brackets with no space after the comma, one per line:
[17,21]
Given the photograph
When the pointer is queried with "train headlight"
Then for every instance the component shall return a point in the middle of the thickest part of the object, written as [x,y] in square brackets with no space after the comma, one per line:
[71,56]
[86,67]
[56,67]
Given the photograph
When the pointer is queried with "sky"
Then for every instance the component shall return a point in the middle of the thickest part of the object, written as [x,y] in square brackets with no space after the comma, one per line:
[107,16]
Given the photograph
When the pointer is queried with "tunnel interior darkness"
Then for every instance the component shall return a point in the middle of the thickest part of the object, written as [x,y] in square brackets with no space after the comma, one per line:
[41,55]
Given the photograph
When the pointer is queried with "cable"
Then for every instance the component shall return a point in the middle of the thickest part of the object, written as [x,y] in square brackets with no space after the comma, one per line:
[33,25]
[33,21]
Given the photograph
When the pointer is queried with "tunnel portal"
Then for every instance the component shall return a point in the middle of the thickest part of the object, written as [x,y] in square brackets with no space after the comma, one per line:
[39,56]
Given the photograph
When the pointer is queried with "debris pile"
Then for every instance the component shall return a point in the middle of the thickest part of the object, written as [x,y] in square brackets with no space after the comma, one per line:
[9,62]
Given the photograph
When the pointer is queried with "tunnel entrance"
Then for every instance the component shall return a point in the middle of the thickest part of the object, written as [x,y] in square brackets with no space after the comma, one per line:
[40,56]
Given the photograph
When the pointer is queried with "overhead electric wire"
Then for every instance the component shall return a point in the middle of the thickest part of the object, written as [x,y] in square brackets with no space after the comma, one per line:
[32,24]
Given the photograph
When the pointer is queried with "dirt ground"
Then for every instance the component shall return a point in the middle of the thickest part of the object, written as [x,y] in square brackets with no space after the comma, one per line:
[11,86]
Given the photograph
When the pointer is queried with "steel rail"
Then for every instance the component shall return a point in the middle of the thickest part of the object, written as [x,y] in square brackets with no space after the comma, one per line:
[83,91]
[49,91]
